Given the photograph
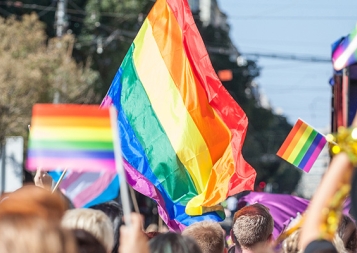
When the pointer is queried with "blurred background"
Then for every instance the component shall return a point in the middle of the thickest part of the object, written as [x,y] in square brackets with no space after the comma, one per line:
[273,57]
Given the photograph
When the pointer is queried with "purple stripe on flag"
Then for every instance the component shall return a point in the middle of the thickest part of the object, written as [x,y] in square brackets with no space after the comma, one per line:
[64,154]
[144,186]
[94,189]
[310,151]
[315,154]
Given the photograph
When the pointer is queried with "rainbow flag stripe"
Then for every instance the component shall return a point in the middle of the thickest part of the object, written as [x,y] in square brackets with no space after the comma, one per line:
[181,132]
[76,137]
[345,53]
[302,146]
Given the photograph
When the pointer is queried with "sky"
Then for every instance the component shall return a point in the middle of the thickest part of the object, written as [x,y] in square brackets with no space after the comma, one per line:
[303,28]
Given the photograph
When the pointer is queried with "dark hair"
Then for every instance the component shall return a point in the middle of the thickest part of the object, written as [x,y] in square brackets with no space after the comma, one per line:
[115,213]
[347,231]
[87,243]
[173,243]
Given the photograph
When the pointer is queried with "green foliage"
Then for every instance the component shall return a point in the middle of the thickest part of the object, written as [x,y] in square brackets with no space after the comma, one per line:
[108,29]
[33,69]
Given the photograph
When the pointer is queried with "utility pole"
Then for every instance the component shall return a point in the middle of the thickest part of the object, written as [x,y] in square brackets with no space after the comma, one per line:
[61,25]
[2,168]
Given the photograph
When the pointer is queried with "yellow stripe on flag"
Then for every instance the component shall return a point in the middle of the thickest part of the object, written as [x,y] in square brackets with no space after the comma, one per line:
[168,105]
[303,138]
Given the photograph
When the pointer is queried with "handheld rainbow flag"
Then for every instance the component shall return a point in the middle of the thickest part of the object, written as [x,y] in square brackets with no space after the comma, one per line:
[181,131]
[86,189]
[346,52]
[302,146]
[77,137]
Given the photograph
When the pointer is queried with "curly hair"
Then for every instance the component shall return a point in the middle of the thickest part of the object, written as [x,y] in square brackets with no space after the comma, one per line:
[252,225]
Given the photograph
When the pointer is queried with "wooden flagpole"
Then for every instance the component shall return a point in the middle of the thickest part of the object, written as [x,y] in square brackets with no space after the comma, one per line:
[59,181]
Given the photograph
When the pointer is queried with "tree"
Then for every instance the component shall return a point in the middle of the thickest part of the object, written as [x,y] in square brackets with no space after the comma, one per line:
[33,69]
[108,29]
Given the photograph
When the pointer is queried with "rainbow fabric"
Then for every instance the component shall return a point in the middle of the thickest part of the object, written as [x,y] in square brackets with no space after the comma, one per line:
[181,132]
[302,146]
[76,137]
[345,53]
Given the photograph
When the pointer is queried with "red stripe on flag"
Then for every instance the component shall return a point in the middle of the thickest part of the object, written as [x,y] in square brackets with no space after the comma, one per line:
[290,137]
[68,110]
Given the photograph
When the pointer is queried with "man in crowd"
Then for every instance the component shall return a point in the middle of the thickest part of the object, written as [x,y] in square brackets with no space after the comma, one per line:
[252,229]
[208,235]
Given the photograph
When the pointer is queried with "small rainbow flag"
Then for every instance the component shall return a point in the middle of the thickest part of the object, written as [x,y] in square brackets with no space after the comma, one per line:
[76,137]
[302,146]
[345,53]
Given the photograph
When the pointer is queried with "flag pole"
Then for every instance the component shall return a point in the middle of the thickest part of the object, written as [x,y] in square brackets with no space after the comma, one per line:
[59,181]
[124,194]
[133,198]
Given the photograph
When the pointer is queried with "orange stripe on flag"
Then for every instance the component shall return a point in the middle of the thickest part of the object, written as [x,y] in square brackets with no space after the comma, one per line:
[169,41]
[290,137]
[295,141]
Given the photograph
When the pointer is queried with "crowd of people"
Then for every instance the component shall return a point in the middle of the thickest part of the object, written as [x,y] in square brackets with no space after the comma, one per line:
[34,219]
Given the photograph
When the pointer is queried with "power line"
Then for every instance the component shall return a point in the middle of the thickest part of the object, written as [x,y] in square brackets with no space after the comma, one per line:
[302,18]
[52,8]
[290,57]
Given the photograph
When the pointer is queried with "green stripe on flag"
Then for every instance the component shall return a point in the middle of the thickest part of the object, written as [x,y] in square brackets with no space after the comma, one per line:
[71,145]
[305,147]
[164,163]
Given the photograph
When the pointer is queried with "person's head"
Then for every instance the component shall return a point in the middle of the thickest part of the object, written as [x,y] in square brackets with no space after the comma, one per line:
[115,213]
[34,201]
[208,235]
[22,233]
[347,231]
[87,243]
[253,225]
[173,243]
[92,221]
[291,243]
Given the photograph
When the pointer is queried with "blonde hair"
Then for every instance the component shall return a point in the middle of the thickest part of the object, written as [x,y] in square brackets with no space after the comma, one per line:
[93,221]
[208,235]
[291,243]
[21,233]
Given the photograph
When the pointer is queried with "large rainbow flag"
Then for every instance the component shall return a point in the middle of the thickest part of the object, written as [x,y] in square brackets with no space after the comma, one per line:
[345,53]
[181,131]
[302,146]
